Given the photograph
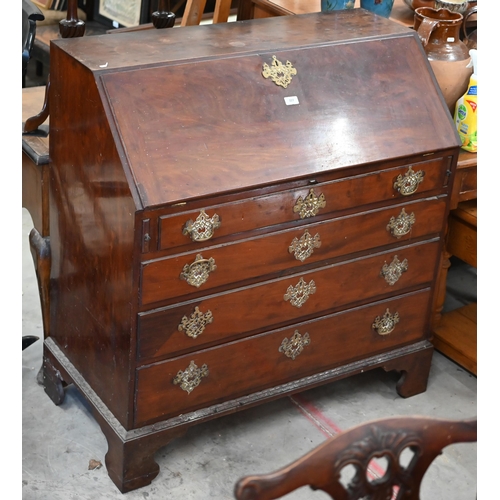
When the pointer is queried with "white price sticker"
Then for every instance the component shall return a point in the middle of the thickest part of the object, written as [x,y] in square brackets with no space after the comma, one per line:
[290,101]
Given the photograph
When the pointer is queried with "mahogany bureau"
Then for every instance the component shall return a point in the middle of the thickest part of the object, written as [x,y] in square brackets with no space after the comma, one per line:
[239,212]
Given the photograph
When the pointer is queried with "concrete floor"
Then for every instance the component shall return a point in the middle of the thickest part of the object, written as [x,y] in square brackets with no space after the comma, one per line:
[59,442]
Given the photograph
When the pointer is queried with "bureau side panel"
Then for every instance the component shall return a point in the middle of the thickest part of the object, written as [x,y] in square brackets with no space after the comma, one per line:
[92,226]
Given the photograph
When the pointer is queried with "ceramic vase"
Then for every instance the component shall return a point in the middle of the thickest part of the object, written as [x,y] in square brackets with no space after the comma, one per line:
[439,32]
[380,7]
[328,5]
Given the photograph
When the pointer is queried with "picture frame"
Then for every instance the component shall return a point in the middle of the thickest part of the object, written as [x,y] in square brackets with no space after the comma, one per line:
[121,13]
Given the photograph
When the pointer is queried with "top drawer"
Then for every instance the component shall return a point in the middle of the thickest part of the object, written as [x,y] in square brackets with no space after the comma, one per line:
[217,221]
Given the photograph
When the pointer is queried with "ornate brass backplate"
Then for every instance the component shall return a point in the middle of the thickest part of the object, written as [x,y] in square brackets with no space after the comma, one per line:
[304,247]
[293,347]
[195,325]
[191,377]
[385,324]
[298,294]
[198,271]
[408,183]
[401,225]
[393,271]
[281,74]
[310,205]
[202,229]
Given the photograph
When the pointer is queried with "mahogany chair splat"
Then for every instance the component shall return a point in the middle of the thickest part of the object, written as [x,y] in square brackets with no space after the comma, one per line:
[422,438]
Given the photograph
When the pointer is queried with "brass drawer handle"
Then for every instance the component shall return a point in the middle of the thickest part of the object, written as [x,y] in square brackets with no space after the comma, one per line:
[298,294]
[195,325]
[309,207]
[293,347]
[401,225]
[191,377]
[198,271]
[393,271]
[303,248]
[408,183]
[385,324]
[202,229]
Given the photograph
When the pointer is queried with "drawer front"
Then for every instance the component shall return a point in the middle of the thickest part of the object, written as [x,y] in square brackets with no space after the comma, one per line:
[210,320]
[232,370]
[217,266]
[225,220]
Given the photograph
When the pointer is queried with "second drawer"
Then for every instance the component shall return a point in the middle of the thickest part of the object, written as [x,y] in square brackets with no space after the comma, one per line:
[257,258]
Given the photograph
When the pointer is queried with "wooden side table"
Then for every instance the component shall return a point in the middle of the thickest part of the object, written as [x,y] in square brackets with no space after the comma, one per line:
[35,192]
[455,332]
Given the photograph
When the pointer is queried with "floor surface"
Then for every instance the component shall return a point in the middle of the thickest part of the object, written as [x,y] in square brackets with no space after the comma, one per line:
[60,441]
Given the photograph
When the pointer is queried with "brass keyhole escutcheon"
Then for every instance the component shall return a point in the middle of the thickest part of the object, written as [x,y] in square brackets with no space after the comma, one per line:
[191,377]
[385,324]
[199,271]
[310,205]
[293,347]
[202,229]
[408,183]
[195,325]
[401,225]
[393,271]
[281,74]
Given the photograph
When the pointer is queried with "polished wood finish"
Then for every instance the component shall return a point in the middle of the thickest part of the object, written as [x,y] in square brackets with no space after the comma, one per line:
[321,468]
[464,186]
[157,138]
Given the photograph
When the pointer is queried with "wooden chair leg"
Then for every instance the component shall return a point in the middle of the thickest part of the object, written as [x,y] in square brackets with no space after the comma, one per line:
[193,12]
[221,12]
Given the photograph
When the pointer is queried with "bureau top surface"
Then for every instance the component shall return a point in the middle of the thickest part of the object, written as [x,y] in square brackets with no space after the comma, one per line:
[193,113]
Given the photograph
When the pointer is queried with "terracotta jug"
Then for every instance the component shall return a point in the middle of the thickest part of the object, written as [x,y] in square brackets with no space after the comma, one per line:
[439,31]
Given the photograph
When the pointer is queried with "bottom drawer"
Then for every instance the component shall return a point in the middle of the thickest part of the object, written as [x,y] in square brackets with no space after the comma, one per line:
[238,368]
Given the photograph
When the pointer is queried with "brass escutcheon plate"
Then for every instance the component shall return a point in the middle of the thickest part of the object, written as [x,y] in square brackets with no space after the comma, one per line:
[298,294]
[401,225]
[191,377]
[198,271]
[293,347]
[202,229]
[281,74]
[304,247]
[385,324]
[393,271]
[310,205]
[408,183]
[195,325]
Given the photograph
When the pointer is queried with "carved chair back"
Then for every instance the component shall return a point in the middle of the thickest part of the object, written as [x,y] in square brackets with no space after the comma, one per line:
[404,446]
